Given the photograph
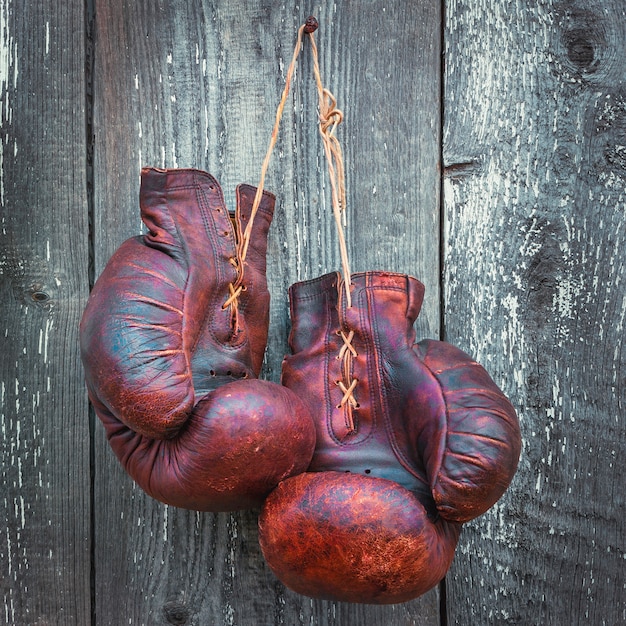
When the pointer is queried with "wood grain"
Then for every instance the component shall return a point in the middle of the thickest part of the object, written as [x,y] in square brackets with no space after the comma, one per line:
[44,442]
[534,203]
[535,123]
[196,85]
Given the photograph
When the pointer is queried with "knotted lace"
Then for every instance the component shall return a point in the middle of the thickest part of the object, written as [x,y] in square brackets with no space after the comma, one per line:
[237,287]
[329,117]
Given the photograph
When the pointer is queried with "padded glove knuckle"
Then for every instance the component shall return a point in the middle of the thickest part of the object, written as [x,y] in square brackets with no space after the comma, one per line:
[400,427]
[172,341]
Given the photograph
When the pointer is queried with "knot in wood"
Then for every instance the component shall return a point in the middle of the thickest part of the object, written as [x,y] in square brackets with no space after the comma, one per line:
[176,612]
[580,49]
[40,296]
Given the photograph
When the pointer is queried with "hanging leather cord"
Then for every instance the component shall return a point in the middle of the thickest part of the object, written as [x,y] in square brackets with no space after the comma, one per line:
[330,117]
[274,136]
[237,287]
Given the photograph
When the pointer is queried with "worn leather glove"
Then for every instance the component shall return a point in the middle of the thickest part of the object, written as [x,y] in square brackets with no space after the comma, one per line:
[172,340]
[412,441]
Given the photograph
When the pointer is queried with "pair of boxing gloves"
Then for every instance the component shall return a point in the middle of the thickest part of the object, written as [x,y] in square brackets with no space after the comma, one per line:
[368,457]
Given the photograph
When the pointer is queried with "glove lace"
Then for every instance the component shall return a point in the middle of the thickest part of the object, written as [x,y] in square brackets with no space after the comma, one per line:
[329,118]
[348,384]
[234,290]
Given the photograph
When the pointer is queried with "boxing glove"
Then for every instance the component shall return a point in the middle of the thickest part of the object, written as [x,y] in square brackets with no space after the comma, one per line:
[172,342]
[412,441]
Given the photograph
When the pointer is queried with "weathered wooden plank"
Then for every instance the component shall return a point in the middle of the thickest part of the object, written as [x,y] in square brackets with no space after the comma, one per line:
[535,127]
[196,85]
[44,441]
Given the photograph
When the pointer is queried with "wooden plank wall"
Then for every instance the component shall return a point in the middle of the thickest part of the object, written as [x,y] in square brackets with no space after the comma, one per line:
[197,85]
[529,227]
[45,492]
[535,203]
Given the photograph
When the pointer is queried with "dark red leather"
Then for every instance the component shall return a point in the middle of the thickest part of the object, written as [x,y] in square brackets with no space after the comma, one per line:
[171,372]
[436,443]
